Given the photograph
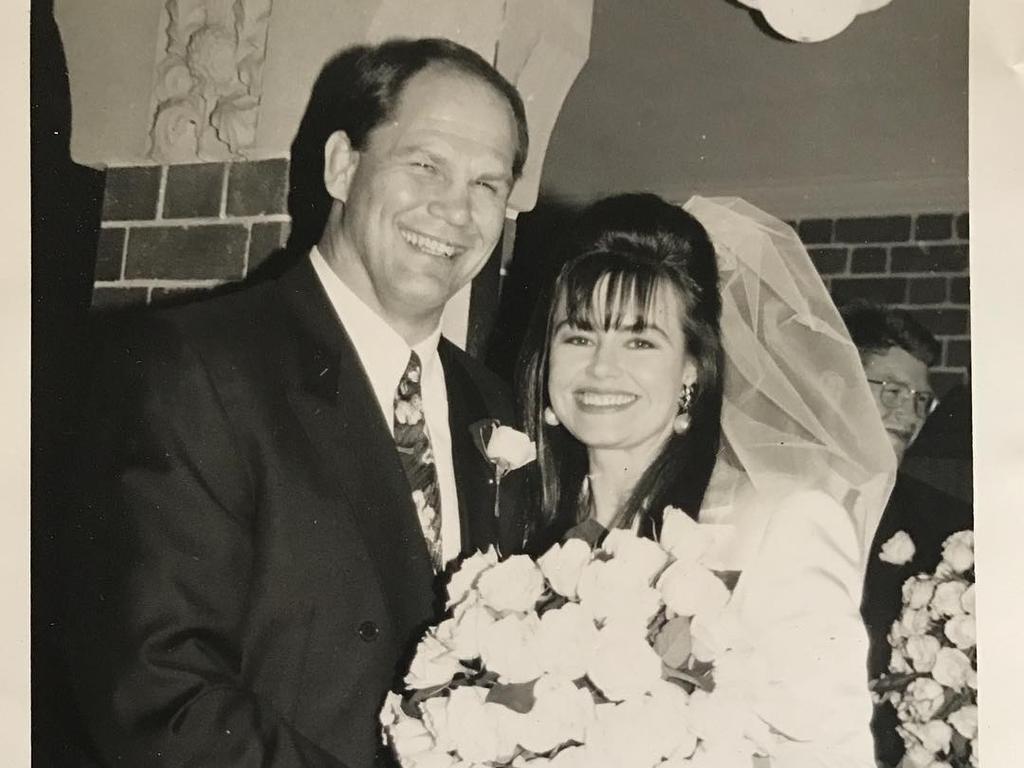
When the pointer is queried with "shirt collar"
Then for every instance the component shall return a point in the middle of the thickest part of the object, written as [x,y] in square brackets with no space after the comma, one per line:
[383,353]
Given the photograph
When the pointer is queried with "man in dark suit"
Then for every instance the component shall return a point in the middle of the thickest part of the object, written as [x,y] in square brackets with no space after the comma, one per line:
[292,463]
[896,352]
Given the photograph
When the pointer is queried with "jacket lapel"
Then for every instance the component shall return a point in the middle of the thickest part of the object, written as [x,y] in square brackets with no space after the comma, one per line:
[338,409]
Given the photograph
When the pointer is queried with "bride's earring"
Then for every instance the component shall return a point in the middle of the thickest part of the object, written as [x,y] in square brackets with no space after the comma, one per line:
[681,422]
[550,417]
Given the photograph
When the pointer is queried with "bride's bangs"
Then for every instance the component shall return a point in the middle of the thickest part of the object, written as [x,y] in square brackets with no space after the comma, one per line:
[610,296]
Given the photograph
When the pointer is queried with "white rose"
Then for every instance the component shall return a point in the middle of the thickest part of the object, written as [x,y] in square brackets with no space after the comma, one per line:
[667,710]
[434,712]
[719,721]
[610,594]
[918,591]
[965,720]
[958,551]
[922,651]
[686,539]
[911,623]
[638,557]
[431,759]
[513,585]
[510,449]
[620,735]
[465,577]
[570,757]
[713,634]
[433,664]
[467,626]
[563,564]
[923,698]
[565,641]
[961,631]
[561,713]
[967,600]
[898,550]
[918,757]
[946,600]
[933,735]
[409,736]
[974,752]
[690,589]
[898,661]
[951,668]
[508,648]
[474,726]
[623,664]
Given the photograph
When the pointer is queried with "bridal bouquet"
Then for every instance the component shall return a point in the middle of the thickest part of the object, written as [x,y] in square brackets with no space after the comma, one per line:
[618,656]
[932,680]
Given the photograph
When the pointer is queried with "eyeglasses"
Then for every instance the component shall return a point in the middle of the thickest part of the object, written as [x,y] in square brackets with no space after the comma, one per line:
[893,395]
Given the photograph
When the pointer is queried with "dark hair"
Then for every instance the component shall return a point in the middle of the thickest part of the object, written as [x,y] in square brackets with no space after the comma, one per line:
[358,90]
[636,243]
[876,328]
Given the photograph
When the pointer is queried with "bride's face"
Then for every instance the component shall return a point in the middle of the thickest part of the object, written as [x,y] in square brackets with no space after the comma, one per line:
[619,388]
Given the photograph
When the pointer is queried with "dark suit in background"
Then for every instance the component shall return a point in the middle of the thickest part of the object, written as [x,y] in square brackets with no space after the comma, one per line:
[258,575]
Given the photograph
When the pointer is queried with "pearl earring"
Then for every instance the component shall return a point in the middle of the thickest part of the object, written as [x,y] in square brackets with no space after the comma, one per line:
[681,422]
[550,417]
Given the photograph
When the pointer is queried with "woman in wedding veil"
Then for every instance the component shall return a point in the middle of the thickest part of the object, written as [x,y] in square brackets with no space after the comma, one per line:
[693,358]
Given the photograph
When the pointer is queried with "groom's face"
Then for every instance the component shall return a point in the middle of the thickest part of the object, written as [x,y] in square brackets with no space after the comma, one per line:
[424,200]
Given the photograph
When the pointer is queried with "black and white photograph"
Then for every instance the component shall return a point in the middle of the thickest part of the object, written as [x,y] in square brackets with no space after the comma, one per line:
[519,383]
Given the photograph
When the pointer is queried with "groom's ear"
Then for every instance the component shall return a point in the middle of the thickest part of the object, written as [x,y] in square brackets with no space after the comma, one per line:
[340,163]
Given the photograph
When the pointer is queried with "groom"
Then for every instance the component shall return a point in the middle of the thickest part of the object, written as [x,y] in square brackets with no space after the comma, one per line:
[293,462]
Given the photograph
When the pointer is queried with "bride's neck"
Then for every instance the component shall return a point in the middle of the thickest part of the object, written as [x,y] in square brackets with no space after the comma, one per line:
[612,476]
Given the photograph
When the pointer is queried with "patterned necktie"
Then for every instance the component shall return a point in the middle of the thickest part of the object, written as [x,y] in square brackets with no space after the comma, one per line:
[413,445]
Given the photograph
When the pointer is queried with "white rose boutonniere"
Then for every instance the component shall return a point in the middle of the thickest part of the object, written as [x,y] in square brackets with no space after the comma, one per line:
[898,550]
[505,448]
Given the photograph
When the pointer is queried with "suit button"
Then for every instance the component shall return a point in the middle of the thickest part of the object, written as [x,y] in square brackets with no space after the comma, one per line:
[368,631]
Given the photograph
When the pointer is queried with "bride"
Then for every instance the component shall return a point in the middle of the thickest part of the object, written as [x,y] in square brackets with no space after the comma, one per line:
[693,358]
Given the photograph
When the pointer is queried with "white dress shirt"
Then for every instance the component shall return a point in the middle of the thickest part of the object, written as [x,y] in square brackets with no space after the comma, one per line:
[384,355]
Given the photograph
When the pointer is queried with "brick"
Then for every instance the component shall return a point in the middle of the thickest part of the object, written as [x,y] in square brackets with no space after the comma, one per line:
[265,238]
[815,231]
[944,322]
[193,190]
[874,229]
[960,290]
[183,253]
[927,290]
[869,260]
[931,258]
[933,226]
[886,290]
[957,353]
[944,381]
[963,226]
[105,297]
[256,188]
[131,193]
[109,254]
[828,261]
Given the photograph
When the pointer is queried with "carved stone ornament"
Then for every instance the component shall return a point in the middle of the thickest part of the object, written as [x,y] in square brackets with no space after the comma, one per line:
[208,82]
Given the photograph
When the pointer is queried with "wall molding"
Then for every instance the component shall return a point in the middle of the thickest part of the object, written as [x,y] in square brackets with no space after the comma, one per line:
[208,82]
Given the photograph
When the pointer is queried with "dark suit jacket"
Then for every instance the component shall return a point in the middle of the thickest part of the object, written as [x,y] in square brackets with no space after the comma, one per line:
[929,516]
[252,575]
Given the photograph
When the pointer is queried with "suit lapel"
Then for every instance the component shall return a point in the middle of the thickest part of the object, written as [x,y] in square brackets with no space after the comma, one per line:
[474,475]
[338,409]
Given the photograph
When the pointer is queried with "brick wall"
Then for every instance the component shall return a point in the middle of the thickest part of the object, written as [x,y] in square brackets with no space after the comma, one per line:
[172,230]
[917,262]
[179,229]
